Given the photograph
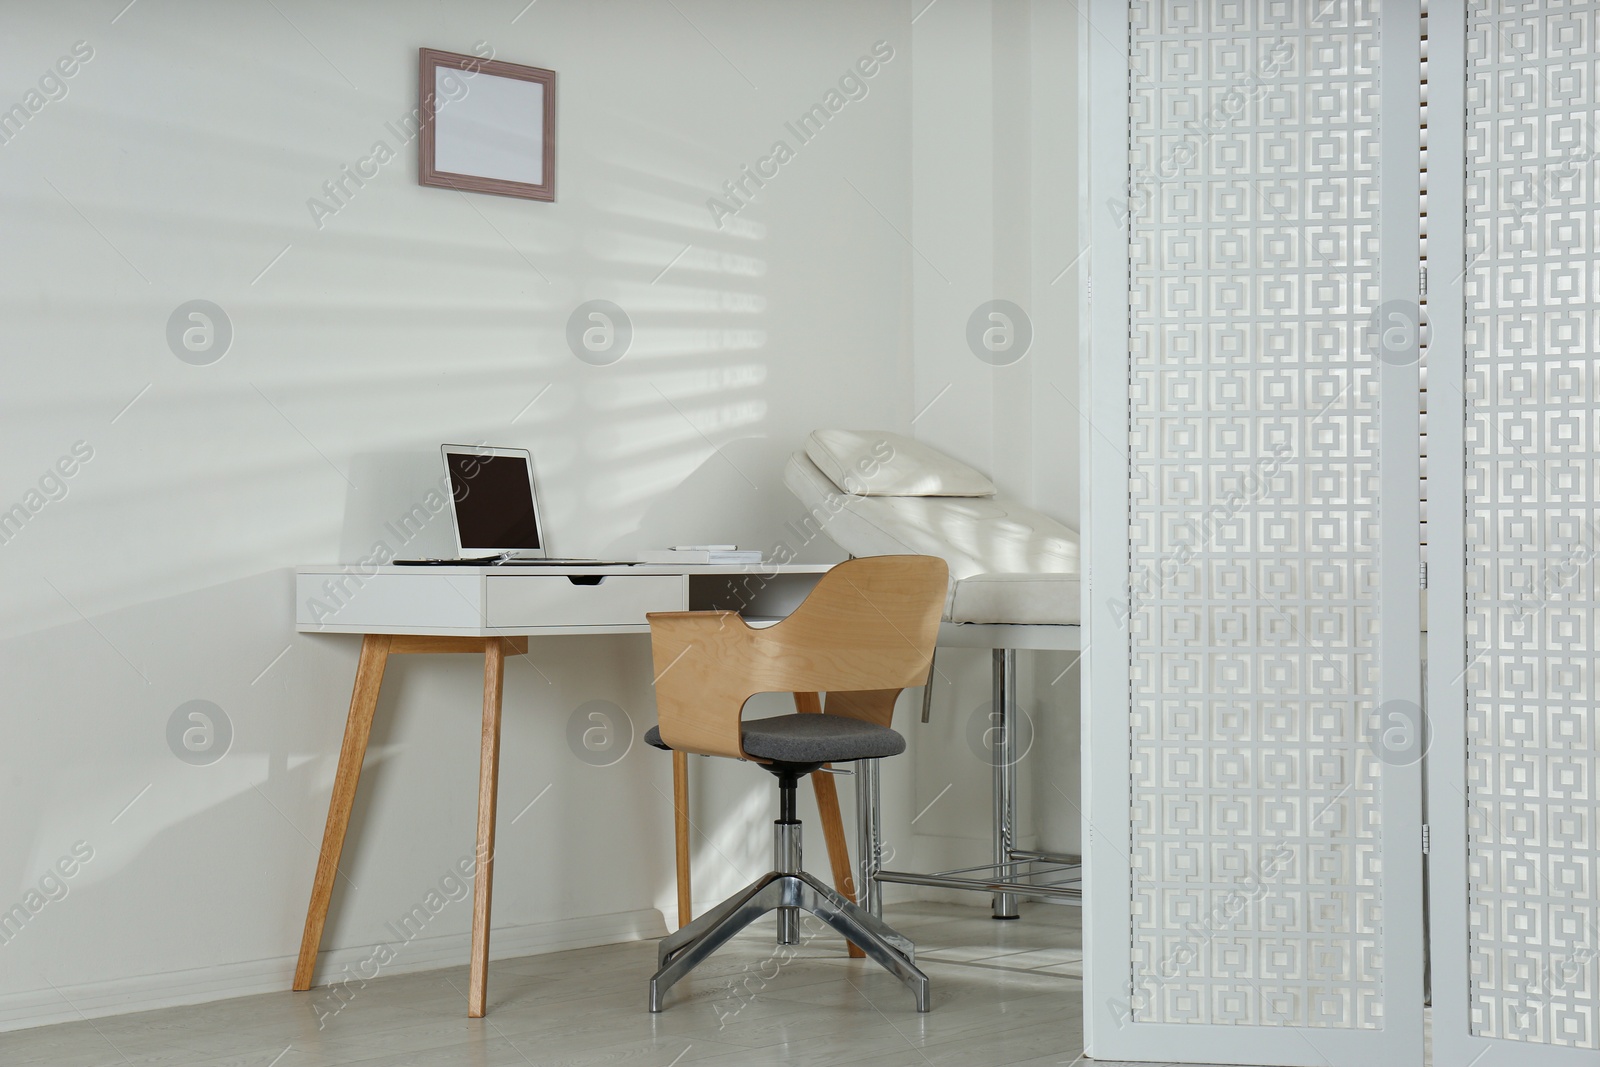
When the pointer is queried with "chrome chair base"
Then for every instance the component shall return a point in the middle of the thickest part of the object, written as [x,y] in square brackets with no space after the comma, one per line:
[683,951]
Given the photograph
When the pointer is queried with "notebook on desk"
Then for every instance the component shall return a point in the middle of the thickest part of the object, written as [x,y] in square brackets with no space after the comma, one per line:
[494,508]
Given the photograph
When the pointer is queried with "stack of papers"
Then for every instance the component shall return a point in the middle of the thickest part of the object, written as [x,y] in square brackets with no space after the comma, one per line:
[701,554]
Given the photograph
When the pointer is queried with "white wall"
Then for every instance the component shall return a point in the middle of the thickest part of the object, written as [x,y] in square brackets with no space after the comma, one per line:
[995,209]
[178,166]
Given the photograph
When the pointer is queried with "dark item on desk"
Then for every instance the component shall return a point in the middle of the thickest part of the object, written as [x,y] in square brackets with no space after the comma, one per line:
[512,561]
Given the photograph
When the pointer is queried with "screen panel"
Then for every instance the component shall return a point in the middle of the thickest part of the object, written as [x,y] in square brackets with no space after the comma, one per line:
[1266,834]
[1253,504]
[1530,536]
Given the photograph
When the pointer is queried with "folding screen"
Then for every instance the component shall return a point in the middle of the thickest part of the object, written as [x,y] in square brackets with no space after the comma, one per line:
[1254,722]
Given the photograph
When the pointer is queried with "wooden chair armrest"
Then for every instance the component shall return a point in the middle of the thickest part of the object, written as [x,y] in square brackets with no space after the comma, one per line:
[702,676]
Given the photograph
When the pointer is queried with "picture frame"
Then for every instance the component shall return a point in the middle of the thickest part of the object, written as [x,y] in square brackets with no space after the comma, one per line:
[487,126]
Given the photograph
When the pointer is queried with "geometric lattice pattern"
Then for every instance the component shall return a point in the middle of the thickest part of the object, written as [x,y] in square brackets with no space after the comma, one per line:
[1532,507]
[1252,462]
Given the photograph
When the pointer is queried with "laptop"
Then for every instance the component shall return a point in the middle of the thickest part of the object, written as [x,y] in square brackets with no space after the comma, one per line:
[494,506]
[493,502]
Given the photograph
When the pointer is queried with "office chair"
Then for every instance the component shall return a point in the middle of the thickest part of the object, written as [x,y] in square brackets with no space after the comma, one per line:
[864,633]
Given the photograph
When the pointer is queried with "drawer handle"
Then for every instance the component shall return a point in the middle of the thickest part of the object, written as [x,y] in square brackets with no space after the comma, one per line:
[586,579]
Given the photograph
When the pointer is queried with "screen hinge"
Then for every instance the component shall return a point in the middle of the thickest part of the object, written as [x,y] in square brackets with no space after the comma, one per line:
[1424,576]
[1427,839]
[1422,280]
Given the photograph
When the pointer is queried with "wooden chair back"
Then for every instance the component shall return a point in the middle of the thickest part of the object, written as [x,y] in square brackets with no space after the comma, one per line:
[866,632]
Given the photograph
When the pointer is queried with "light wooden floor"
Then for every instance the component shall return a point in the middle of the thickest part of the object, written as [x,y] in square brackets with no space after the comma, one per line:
[1003,993]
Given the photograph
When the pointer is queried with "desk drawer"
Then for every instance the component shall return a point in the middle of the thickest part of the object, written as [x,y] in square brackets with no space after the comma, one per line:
[555,600]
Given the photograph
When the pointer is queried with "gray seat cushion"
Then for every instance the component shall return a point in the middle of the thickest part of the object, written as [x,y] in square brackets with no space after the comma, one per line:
[810,738]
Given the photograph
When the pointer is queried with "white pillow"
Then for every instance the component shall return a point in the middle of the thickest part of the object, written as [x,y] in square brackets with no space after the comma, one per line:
[878,463]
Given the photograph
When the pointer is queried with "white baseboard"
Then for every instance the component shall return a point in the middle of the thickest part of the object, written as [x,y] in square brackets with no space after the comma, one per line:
[200,985]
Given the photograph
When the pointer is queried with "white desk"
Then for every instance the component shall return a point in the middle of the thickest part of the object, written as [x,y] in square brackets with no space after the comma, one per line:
[493,611]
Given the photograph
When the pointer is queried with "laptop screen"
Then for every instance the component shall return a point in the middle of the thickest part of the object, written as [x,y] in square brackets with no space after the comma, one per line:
[494,505]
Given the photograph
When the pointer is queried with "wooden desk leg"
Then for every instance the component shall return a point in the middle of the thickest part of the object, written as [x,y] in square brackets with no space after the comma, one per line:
[680,826]
[494,666]
[363,702]
[832,821]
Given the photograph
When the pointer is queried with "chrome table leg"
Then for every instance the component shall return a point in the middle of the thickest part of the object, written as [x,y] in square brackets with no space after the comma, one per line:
[1004,740]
